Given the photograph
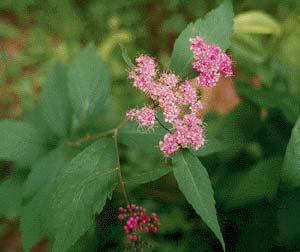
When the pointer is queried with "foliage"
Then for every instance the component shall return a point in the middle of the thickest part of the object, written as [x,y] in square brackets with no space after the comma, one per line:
[59,149]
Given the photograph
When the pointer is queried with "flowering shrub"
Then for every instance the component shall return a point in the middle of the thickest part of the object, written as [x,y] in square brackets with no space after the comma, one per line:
[77,159]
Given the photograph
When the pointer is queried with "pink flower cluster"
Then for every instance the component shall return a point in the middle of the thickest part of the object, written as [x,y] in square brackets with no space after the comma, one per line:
[136,220]
[145,116]
[210,62]
[178,101]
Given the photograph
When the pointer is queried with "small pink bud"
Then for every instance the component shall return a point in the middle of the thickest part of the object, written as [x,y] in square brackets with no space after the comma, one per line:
[146,229]
[154,229]
[145,217]
[120,216]
[121,209]
[129,236]
[154,215]
[134,237]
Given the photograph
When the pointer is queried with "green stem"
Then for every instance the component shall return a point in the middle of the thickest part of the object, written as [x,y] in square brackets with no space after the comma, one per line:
[119,167]
[161,124]
[90,137]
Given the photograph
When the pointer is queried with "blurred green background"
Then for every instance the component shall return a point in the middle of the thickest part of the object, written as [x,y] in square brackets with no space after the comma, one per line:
[266,53]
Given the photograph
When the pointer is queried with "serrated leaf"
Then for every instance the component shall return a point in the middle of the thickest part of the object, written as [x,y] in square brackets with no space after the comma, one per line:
[270,98]
[45,168]
[32,225]
[194,182]
[88,82]
[19,142]
[10,197]
[64,208]
[216,27]
[81,192]
[36,118]
[38,188]
[55,104]
[259,182]
[291,166]
[256,21]
[147,176]
[88,242]
[144,140]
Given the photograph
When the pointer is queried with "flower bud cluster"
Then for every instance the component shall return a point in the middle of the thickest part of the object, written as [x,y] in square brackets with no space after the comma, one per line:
[136,220]
[178,101]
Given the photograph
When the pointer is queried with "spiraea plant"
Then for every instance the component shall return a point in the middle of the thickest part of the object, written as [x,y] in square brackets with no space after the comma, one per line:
[60,202]
[74,178]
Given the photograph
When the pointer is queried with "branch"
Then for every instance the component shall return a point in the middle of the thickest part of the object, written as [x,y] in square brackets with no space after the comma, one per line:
[119,167]
[160,123]
[90,137]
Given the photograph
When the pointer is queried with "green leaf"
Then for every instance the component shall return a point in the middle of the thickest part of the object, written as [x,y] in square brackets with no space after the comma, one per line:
[55,104]
[37,120]
[45,168]
[144,140]
[19,142]
[10,197]
[65,208]
[211,146]
[194,182]
[147,176]
[291,166]
[256,21]
[216,27]
[125,56]
[87,242]
[238,128]
[272,98]
[173,24]
[38,189]
[81,192]
[249,51]
[88,82]
[259,230]
[288,217]
[32,222]
[259,182]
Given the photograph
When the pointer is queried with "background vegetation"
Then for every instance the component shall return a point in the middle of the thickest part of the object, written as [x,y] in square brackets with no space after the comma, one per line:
[252,153]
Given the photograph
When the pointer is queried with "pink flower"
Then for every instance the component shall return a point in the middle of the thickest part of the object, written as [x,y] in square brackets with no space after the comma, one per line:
[169,80]
[187,94]
[169,144]
[179,102]
[143,73]
[131,222]
[196,107]
[145,116]
[196,138]
[210,62]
